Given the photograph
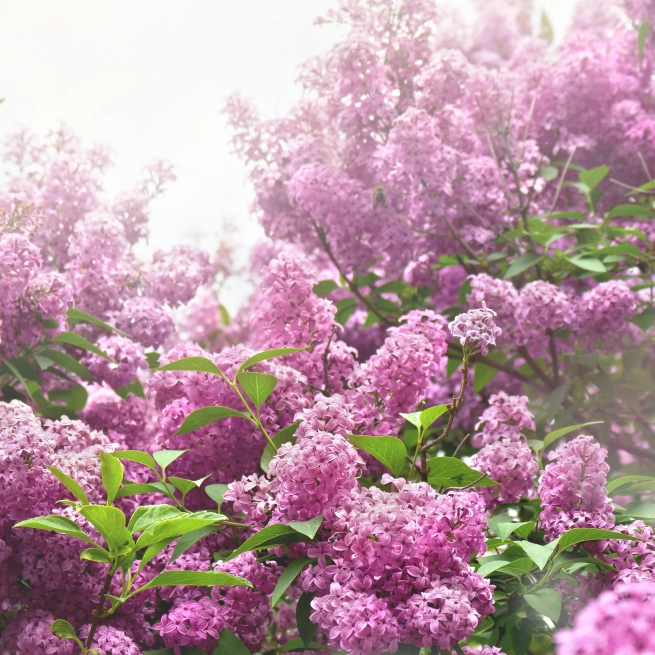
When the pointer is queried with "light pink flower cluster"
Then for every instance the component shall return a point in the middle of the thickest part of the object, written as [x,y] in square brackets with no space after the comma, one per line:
[505,418]
[476,329]
[572,489]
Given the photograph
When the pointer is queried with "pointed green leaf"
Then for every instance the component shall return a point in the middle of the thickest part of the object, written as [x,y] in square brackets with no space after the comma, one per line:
[588,264]
[68,363]
[306,628]
[523,263]
[195,579]
[153,550]
[325,287]
[109,522]
[556,434]
[216,492]
[285,435]
[56,523]
[76,316]
[453,473]
[270,537]
[641,38]
[74,397]
[153,359]
[80,342]
[617,483]
[189,539]
[431,414]
[136,456]
[134,489]
[390,451]
[538,554]
[112,475]
[414,418]
[206,415]
[166,457]
[594,176]
[257,386]
[290,573]
[196,364]
[18,375]
[147,515]
[308,528]
[177,526]
[64,630]
[230,644]
[580,535]
[547,602]
[268,354]
[74,487]
[96,555]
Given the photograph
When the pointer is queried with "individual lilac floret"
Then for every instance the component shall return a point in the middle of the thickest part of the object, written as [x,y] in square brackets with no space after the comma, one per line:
[572,489]
[192,623]
[476,329]
[512,465]
[505,418]
[620,621]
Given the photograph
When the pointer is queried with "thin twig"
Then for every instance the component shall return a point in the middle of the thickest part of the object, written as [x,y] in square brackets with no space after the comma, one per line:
[552,345]
[529,360]
[561,181]
[461,443]
[98,612]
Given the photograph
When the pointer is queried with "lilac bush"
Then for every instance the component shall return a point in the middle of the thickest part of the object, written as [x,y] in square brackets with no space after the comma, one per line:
[430,427]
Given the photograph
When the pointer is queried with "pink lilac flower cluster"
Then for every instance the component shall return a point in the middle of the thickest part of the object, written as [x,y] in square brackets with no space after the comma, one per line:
[476,329]
[572,489]
[511,464]
[619,621]
[399,561]
[505,418]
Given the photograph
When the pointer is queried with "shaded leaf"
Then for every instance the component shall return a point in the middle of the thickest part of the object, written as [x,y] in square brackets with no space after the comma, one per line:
[230,644]
[56,523]
[80,342]
[547,602]
[195,579]
[290,573]
[325,287]
[76,316]
[72,485]
[285,435]
[523,263]
[390,451]
[306,628]
[452,473]
[270,537]
[68,363]
[206,415]
[557,434]
[268,354]
[189,539]
[594,176]
[538,554]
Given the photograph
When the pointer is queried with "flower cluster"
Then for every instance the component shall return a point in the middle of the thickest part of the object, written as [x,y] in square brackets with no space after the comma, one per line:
[476,329]
[572,489]
[505,418]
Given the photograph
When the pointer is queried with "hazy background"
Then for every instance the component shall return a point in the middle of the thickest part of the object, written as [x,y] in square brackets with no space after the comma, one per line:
[148,77]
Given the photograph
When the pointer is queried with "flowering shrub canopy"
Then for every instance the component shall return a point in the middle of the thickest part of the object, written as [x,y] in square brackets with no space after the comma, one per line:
[432,425]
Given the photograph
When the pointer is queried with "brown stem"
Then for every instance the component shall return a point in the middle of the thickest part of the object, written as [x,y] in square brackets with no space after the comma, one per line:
[97,613]
[529,360]
[351,285]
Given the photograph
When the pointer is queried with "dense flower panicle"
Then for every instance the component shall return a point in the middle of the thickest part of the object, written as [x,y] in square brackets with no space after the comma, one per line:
[29,634]
[356,622]
[253,497]
[476,329]
[602,314]
[311,474]
[619,621]
[498,295]
[174,277]
[541,309]
[110,641]
[634,560]
[145,321]
[126,358]
[195,623]
[505,418]
[327,414]
[248,610]
[290,314]
[512,465]
[572,489]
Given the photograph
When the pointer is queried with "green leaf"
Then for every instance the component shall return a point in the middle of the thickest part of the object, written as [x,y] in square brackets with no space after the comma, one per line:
[285,435]
[230,644]
[580,535]
[588,263]
[270,537]
[76,316]
[55,523]
[518,567]
[177,526]
[153,550]
[216,492]
[641,38]
[429,415]
[306,628]
[290,573]
[189,539]
[184,485]
[390,451]
[483,374]
[74,397]
[257,386]
[523,263]
[297,644]
[640,510]
[594,176]
[147,515]
[538,554]
[555,399]
[64,630]
[345,308]
[135,388]
[68,363]
[17,374]
[325,287]
[152,358]
[268,354]
[166,457]
[196,364]
[112,475]
[451,366]
[134,489]
[557,434]
[547,602]
[80,342]
[549,173]
[308,528]
[195,579]
[505,528]
[206,415]
[464,290]
[452,473]
[487,568]
[108,521]
[73,486]
[414,418]
[96,555]
[617,483]
[137,456]
[644,319]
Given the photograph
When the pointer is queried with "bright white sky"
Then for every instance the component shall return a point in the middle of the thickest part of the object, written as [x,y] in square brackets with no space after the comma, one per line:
[147,77]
